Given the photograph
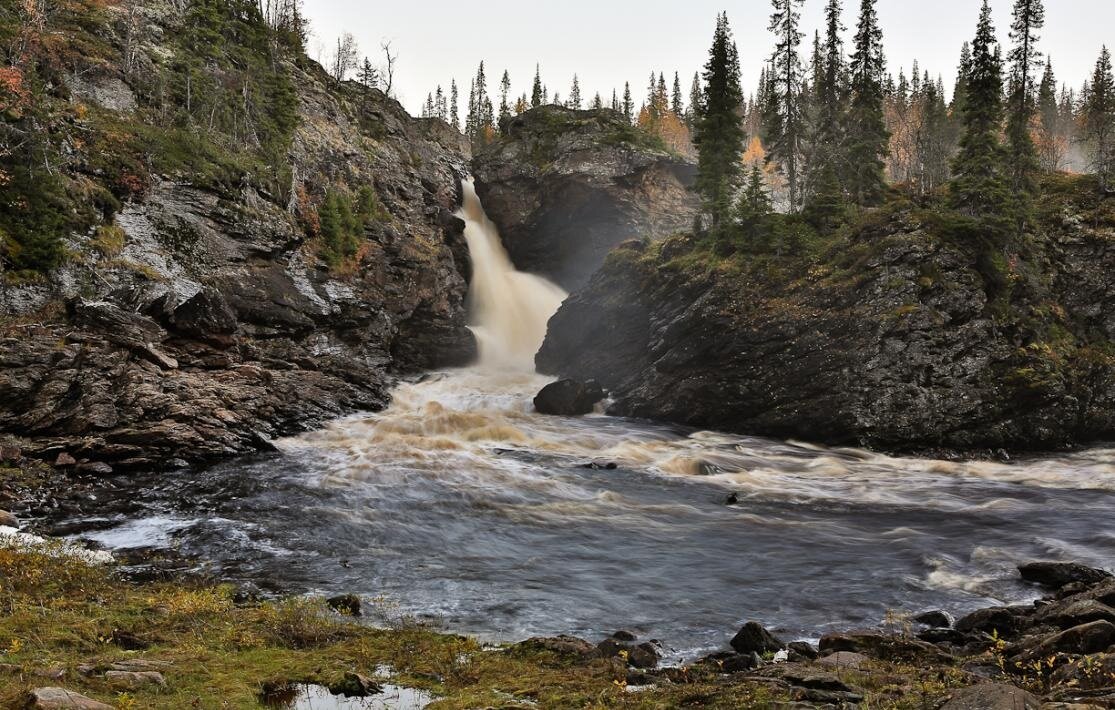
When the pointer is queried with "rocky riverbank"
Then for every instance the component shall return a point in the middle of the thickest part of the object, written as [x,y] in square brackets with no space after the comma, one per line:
[218,300]
[73,632]
[892,335]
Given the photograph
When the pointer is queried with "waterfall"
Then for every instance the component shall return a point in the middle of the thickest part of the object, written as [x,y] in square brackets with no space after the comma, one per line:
[508,309]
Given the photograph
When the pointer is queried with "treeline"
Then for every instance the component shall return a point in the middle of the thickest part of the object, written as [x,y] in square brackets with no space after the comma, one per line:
[833,134]
[830,128]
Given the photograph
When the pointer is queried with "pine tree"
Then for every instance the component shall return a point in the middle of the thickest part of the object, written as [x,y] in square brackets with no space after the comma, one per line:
[628,103]
[783,126]
[719,138]
[867,134]
[575,94]
[368,78]
[979,185]
[1098,120]
[615,102]
[454,108]
[536,92]
[1024,57]
[677,103]
[597,102]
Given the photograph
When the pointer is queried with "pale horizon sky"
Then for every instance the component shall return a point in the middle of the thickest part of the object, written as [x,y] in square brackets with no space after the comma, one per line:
[607,42]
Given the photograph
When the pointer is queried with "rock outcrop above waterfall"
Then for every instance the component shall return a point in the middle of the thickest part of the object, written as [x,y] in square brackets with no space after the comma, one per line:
[893,337]
[565,187]
[223,303]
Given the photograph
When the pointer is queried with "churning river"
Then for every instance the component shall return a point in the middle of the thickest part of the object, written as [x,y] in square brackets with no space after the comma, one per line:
[460,506]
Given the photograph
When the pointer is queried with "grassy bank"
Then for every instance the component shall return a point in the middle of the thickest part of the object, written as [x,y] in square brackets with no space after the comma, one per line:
[63,622]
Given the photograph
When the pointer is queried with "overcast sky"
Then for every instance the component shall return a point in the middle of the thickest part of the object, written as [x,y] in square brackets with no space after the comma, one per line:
[607,42]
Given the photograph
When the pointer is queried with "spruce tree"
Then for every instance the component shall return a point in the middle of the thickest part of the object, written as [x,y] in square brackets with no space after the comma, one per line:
[1049,121]
[867,134]
[754,209]
[719,136]
[1024,57]
[695,95]
[783,124]
[575,94]
[677,103]
[628,103]
[597,102]
[454,106]
[504,93]
[536,97]
[980,188]
[1098,120]
[826,201]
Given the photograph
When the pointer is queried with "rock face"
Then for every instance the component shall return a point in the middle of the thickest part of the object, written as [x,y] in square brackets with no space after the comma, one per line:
[891,340]
[566,186]
[216,325]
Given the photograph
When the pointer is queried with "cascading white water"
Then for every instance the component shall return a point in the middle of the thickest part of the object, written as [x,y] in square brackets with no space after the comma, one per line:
[509,309]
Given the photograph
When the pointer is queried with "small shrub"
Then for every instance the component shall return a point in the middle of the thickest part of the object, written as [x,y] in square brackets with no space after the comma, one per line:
[301,623]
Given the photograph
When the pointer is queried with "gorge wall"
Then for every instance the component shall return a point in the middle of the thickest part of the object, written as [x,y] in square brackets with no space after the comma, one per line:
[565,187]
[207,315]
[891,338]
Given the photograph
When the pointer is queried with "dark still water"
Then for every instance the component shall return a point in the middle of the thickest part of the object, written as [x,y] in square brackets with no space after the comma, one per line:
[459,506]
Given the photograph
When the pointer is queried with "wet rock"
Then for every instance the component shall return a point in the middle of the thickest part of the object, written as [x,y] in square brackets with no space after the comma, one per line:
[94,468]
[732,662]
[1069,613]
[1003,621]
[1095,637]
[843,659]
[644,655]
[134,679]
[754,638]
[62,699]
[568,398]
[802,650]
[355,685]
[1054,575]
[935,619]
[562,646]
[884,647]
[625,637]
[732,499]
[348,604]
[992,696]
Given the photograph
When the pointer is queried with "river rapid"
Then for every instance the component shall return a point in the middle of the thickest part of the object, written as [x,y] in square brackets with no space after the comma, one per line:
[461,507]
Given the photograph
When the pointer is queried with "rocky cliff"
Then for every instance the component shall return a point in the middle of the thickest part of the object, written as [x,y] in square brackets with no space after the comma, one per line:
[217,307]
[891,337]
[565,187]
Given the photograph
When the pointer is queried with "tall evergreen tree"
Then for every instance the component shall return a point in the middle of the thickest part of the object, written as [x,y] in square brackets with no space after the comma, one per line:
[829,89]
[628,103]
[1098,120]
[695,95]
[980,187]
[867,134]
[536,94]
[719,136]
[677,103]
[1050,150]
[504,94]
[454,106]
[754,209]
[597,102]
[783,126]
[1024,58]
[575,94]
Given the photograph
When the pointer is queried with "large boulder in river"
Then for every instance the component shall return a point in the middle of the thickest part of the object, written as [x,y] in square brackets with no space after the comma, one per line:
[568,398]
[565,187]
[897,336]
[1055,575]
